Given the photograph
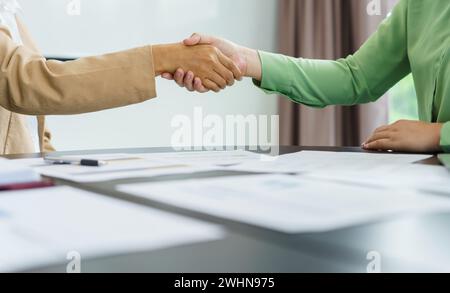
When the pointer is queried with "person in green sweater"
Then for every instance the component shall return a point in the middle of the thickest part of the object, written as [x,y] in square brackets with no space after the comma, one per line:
[415,38]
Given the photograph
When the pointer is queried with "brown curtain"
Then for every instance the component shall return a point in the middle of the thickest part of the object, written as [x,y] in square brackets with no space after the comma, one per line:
[326,29]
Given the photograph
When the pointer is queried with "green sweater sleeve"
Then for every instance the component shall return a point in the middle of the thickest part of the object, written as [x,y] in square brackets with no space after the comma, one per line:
[360,78]
[445,138]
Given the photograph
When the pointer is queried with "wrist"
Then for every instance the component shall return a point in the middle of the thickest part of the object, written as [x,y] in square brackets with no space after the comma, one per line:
[157,59]
[254,67]
[163,56]
[437,134]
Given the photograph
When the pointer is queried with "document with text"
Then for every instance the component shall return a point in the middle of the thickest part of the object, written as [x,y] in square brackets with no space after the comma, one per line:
[122,166]
[412,176]
[289,203]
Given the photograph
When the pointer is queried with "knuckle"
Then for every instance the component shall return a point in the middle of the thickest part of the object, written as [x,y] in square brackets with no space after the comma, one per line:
[211,50]
[212,59]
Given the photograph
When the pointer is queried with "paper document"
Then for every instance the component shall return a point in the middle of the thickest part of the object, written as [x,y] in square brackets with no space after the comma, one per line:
[413,176]
[121,166]
[13,173]
[39,162]
[206,158]
[40,227]
[307,161]
[288,203]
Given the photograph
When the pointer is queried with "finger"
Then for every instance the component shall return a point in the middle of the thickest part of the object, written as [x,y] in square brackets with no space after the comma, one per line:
[189,81]
[209,84]
[380,145]
[379,135]
[217,78]
[179,77]
[230,65]
[167,76]
[198,86]
[226,74]
[382,128]
[196,39]
[193,40]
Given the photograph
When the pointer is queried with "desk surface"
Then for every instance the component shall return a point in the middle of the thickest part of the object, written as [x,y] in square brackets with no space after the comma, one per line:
[405,244]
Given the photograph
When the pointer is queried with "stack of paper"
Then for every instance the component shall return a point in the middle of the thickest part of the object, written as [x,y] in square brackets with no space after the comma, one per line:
[43,227]
[207,158]
[13,173]
[122,166]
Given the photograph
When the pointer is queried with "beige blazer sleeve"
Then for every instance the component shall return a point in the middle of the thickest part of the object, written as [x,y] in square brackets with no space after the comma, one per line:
[45,136]
[31,85]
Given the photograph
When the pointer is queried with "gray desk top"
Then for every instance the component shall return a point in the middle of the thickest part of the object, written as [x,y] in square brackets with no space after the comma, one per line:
[405,244]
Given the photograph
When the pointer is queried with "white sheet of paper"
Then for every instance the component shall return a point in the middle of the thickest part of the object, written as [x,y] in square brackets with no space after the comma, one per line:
[122,166]
[39,162]
[12,173]
[415,176]
[288,203]
[39,227]
[119,166]
[206,158]
[307,161]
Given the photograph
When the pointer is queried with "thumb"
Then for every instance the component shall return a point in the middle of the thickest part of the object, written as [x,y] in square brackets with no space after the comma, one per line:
[197,39]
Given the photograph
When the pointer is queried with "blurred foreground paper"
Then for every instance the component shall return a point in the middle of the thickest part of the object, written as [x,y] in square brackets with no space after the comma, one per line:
[13,173]
[288,203]
[41,227]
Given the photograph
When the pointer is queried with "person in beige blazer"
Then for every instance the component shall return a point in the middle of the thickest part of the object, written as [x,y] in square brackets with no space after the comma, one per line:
[32,85]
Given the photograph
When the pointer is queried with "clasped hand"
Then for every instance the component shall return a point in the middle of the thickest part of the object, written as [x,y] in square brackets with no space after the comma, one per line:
[246,59]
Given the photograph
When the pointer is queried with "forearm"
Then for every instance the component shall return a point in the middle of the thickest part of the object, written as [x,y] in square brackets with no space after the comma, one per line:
[32,85]
[316,83]
[360,78]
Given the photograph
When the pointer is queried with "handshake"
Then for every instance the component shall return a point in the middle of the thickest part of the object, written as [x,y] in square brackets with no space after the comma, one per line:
[204,63]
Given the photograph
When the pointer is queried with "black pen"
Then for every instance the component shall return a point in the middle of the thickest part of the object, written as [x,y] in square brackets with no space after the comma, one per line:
[72,161]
